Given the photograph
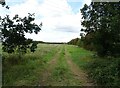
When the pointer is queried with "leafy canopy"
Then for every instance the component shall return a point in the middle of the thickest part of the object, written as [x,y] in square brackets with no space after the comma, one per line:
[101,20]
[13,33]
[3,3]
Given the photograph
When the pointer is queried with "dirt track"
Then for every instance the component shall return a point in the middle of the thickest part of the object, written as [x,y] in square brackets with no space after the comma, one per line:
[47,71]
[77,74]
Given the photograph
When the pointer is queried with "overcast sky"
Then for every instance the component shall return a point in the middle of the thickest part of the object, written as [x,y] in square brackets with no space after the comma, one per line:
[61,18]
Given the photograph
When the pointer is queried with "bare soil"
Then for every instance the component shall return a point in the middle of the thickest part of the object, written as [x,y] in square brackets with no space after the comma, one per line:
[78,73]
[47,71]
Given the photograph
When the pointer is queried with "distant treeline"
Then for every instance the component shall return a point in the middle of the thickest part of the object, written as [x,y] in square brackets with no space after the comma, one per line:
[76,41]
[83,42]
[49,42]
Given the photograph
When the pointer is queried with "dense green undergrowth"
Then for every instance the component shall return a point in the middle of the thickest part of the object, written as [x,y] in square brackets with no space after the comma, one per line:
[25,71]
[103,71]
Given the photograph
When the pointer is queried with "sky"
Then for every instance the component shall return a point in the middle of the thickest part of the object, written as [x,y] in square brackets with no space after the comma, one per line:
[61,18]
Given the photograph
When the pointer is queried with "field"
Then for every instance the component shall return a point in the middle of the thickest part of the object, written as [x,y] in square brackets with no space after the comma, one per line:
[50,64]
[59,65]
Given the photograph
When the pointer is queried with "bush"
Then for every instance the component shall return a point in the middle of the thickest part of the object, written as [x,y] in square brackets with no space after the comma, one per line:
[105,72]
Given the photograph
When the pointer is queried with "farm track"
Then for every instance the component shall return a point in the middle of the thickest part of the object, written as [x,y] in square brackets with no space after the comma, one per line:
[50,67]
[78,74]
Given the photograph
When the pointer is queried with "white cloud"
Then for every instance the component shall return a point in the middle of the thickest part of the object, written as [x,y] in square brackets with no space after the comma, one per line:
[54,36]
[55,8]
[60,23]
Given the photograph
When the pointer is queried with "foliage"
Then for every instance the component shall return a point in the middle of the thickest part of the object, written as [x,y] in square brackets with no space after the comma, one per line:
[101,20]
[105,72]
[13,33]
[3,3]
[87,44]
[75,41]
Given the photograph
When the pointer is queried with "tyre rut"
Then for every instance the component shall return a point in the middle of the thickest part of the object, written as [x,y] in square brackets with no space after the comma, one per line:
[46,73]
[78,73]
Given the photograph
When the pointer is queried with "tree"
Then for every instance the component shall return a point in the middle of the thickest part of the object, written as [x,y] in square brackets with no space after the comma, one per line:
[102,20]
[2,2]
[86,40]
[75,41]
[13,33]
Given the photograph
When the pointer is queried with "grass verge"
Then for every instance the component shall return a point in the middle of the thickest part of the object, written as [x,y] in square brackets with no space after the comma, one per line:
[79,55]
[103,71]
[25,71]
